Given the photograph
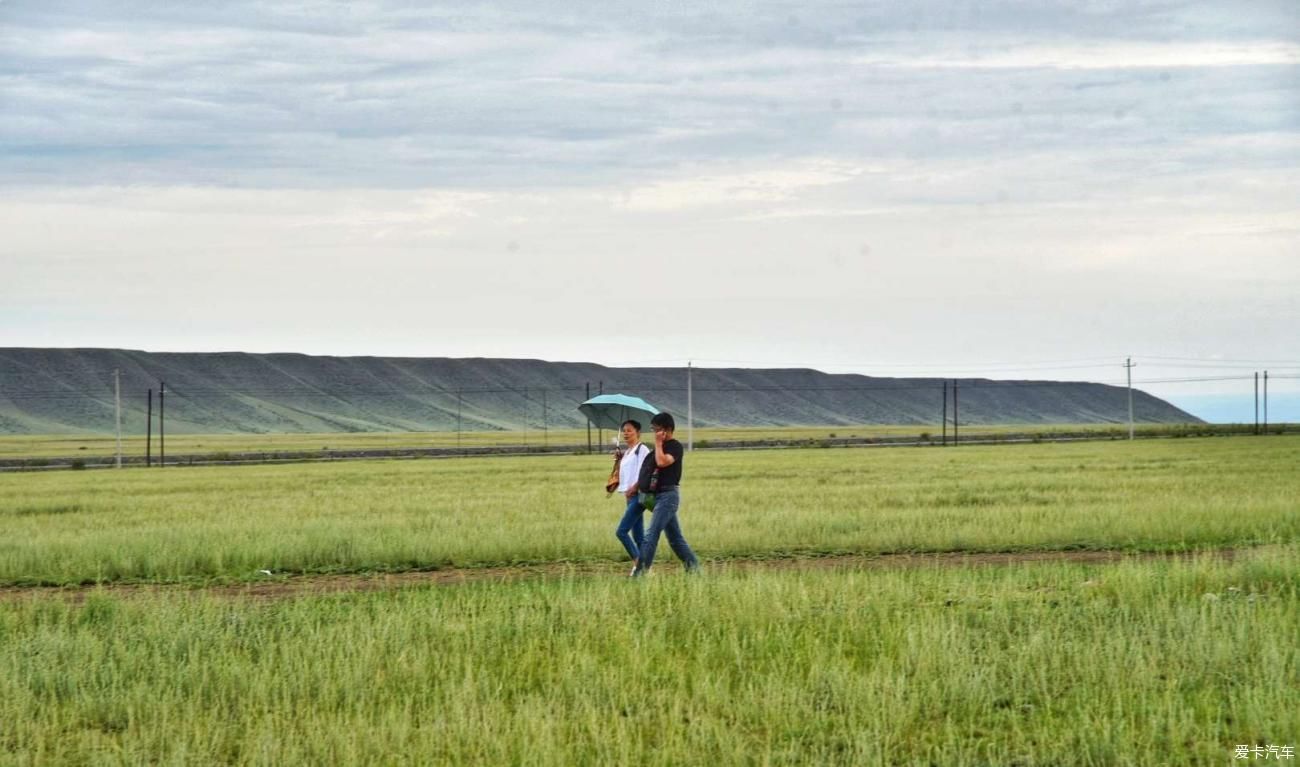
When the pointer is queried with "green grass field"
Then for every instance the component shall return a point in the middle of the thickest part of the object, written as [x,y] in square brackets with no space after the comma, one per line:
[1159,662]
[1146,661]
[229,522]
[99,445]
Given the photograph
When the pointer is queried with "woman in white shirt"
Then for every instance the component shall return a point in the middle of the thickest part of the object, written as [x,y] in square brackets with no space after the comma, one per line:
[631,529]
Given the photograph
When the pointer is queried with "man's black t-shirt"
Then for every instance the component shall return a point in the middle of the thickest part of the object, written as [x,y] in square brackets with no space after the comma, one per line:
[671,476]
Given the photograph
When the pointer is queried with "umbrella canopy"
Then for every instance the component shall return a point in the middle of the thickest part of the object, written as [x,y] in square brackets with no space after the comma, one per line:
[609,411]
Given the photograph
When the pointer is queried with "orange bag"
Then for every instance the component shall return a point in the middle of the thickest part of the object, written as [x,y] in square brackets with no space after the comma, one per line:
[612,483]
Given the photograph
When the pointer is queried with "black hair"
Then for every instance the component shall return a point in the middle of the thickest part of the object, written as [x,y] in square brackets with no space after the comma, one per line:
[635,425]
[664,421]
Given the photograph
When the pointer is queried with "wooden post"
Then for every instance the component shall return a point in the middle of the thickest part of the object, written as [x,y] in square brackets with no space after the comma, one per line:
[955,419]
[945,413]
[162,425]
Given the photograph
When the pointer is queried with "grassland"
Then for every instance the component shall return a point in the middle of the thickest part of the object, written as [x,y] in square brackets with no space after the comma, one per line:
[1153,662]
[227,523]
[1148,661]
[99,445]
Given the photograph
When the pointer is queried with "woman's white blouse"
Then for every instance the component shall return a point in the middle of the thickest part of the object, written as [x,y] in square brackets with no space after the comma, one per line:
[630,468]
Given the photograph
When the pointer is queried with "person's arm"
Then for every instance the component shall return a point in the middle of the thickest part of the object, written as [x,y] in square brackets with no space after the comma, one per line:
[662,460]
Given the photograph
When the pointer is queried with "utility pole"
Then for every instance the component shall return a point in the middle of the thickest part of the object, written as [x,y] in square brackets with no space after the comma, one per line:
[117,399]
[945,413]
[1128,368]
[588,420]
[148,430]
[600,432]
[545,434]
[1257,402]
[162,424]
[690,411]
[458,396]
[1266,402]
[955,419]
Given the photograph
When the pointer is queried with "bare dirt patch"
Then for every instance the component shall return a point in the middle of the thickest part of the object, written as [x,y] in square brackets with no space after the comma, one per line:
[276,587]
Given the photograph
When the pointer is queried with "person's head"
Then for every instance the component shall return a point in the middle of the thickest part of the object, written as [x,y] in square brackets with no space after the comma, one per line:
[631,431]
[663,422]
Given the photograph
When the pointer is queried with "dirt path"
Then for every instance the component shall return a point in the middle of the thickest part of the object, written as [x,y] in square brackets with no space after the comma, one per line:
[288,586]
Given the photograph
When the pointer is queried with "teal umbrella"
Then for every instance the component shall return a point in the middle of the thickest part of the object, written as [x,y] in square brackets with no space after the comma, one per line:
[609,411]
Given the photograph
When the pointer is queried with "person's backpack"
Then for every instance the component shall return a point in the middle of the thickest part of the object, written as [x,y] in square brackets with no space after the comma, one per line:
[648,482]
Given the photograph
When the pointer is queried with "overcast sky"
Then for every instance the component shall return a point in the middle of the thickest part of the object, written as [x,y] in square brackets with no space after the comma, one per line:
[1029,189]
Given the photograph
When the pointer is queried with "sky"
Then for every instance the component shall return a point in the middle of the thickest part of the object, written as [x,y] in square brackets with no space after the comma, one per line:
[998,189]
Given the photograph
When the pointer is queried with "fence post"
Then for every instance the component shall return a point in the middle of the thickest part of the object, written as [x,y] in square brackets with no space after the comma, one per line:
[690,411]
[117,409]
[945,413]
[1257,402]
[955,419]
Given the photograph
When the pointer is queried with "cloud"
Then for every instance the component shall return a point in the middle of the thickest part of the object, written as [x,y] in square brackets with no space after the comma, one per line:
[705,189]
[1103,55]
[391,95]
[927,180]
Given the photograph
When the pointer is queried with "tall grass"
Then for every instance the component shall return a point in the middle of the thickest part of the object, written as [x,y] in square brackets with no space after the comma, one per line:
[206,523]
[1156,662]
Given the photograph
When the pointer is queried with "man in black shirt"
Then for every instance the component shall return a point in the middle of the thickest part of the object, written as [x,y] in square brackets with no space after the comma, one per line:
[665,484]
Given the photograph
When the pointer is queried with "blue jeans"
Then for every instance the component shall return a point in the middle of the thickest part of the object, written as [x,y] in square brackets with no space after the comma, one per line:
[664,520]
[631,529]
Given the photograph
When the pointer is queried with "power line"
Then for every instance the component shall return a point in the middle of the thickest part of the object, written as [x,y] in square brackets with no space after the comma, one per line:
[1192,380]
[1227,366]
[1202,359]
[532,394]
[862,384]
[578,391]
[1088,362]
